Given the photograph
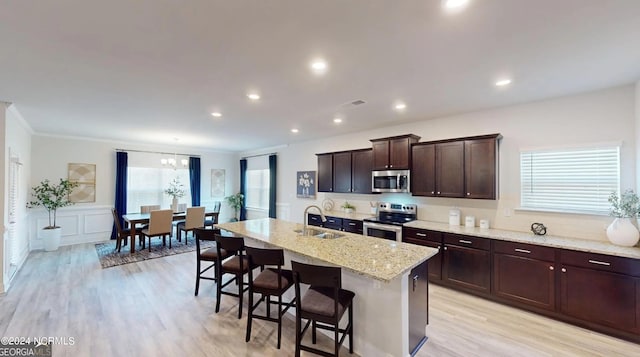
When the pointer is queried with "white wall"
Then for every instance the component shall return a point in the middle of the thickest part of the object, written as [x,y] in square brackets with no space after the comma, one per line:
[602,116]
[90,222]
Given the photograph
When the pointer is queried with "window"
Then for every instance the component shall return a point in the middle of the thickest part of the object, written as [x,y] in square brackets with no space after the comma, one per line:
[569,180]
[146,185]
[257,190]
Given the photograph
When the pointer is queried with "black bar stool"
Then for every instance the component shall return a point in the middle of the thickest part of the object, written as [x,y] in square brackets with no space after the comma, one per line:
[235,263]
[323,305]
[272,281]
[209,255]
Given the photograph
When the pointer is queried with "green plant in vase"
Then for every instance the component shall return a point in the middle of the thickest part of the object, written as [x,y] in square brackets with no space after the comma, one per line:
[235,201]
[625,207]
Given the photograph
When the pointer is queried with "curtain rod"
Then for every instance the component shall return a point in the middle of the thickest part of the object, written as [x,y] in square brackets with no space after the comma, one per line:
[269,154]
[157,152]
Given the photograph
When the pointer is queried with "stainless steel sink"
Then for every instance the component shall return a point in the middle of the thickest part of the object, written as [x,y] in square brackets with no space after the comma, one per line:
[313,232]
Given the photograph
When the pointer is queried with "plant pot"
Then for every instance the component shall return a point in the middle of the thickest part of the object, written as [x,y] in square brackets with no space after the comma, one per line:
[349,210]
[51,238]
[622,232]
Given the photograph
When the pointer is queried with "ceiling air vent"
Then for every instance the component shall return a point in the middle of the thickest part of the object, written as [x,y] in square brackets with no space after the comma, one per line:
[358,102]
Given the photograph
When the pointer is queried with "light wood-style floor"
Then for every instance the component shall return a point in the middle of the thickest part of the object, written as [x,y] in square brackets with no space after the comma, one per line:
[148,309]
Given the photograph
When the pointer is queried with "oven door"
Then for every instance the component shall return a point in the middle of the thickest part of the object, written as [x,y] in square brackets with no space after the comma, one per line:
[385,231]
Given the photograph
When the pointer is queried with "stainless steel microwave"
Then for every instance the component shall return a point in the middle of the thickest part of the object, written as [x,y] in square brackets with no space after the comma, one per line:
[390,181]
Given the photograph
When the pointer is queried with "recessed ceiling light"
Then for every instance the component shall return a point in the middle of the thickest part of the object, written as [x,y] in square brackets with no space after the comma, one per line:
[454,4]
[294,130]
[319,66]
[253,96]
[216,114]
[503,82]
[337,120]
[400,106]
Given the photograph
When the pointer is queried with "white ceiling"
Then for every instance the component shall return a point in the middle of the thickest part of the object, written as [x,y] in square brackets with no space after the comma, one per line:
[149,71]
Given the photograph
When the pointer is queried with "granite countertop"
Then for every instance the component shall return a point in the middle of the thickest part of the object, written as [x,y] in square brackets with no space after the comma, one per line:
[376,258]
[584,245]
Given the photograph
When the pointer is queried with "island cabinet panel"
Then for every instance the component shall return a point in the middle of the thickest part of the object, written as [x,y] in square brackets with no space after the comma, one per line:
[393,153]
[314,219]
[467,263]
[427,238]
[352,225]
[325,172]
[361,163]
[480,168]
[449,174]
[418,306]
[599,289]
[423,170]
[333,223]
[524,274]
[342,172]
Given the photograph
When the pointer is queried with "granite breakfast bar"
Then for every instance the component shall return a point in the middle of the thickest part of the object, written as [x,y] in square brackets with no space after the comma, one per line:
[377,270]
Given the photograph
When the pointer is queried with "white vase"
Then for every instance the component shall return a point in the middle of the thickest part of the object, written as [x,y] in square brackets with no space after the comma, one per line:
[622,232]
[174,205]
[51,238]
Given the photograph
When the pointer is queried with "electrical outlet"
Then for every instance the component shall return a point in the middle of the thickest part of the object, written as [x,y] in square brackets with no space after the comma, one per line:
[508,212]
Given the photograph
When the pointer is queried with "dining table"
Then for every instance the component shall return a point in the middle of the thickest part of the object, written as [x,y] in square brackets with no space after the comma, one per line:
[133,219]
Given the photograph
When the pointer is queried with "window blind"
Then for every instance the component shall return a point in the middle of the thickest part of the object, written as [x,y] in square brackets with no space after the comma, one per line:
[569,180]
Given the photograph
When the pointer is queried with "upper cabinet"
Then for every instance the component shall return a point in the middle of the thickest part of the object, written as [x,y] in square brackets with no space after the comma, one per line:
[465,167]
[345,171]
[393,153]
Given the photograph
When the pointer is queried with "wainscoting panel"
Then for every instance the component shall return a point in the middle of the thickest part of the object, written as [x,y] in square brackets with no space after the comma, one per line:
[80,224]
[98,223]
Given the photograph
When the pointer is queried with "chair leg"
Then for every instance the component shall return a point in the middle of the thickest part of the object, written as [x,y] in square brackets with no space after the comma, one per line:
[169,241]
[249,316]
[351,328]
[218,288]
[313,332]
[118,242]
[279,319]
[298,337]
[149,244]
[197,276]
[336,339]
[239,280]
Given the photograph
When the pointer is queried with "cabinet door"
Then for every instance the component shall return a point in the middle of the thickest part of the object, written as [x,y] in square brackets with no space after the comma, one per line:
[399,154]
[325,173]
[342,172]
[314,220]
[599,296]
[352,226]
[418,306]
[380,154]
[524,280]
[480,168]
[361,162]
[423,170]
[333,223]
[450,169]
[467,268]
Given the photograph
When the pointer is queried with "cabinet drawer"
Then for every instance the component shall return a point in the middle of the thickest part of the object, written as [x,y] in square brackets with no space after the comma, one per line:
[467,241]
[315,220]
[603,262]
[422,234]
[352,225]
[333,223]
[525,250]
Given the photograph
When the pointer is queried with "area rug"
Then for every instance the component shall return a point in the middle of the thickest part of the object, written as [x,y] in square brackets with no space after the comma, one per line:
[109,257]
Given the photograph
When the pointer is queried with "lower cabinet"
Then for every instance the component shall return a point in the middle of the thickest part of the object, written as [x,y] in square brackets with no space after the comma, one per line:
[431,239]
[314,219]
[418,306]
[466,263]
[337,223]
[600,289]
[524,274]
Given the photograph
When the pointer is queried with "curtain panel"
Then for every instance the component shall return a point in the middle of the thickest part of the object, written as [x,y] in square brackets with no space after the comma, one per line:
[273,163]
[194,180]
[243,184]
[121,189]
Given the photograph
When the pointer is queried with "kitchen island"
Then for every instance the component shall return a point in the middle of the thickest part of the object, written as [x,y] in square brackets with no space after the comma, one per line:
[379,272]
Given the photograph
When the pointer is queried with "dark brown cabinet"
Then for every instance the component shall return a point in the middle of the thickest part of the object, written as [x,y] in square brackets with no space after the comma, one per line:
[467,263]
[480,168]
[337,223]
[601,289]
[432,239]
[314,220]
[418,307]
[325,172]
[465,167]
[345,172]
[525,274]
[393,153]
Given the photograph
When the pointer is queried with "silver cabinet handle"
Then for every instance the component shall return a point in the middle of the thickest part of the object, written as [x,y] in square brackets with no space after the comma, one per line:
[352,224]
[421,234]
[465,241]
[551,267]
[522,250]
[564,270]
[599,262]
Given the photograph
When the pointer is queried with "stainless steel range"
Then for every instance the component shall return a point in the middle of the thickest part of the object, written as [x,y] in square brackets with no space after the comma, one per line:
[388,222]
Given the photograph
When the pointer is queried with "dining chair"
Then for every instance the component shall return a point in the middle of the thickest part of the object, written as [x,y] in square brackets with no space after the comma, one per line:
[193,220]
[121,233]
[159,225]
[214,219]
[323,305]
[149,208]
[210,255]
[235,264]
[271,281]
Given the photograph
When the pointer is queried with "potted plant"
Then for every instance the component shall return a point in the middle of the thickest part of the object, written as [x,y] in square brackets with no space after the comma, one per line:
[175,190]
[622,231]
[51,197]
[235,201]
[348,207]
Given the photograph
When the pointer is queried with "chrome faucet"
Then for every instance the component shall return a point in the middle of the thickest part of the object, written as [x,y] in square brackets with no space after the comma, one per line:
[306,217]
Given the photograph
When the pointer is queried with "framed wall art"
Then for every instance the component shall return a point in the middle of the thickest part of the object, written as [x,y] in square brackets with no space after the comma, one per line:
[217,182]
[85,176]
[306,184]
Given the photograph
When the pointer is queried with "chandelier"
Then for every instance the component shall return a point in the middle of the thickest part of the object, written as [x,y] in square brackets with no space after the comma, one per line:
[173,162]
